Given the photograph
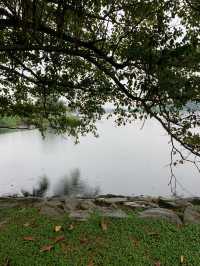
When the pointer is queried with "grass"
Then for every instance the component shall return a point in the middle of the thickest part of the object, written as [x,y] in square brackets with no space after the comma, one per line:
[130,241]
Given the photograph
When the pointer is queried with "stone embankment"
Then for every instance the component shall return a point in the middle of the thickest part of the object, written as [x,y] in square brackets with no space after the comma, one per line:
[175,210]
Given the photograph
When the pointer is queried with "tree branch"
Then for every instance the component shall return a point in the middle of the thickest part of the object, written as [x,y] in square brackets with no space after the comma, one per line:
[192,6]
[13,71]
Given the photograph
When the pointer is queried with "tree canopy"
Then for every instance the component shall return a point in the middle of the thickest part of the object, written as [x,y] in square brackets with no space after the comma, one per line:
[141,56]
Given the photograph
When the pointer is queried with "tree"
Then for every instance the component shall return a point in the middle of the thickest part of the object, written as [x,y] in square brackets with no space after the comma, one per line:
[143,56]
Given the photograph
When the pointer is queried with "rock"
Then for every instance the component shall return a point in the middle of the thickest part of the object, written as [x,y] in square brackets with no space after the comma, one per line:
[78,204]
[83,215]
[140,204]
[191,215]
[161,213]
[55,203]
[28,200]
[134,205]
[9,202]
[80,215]
[173,203]
[51,203]
[143,198]
[51,211]
[56,198]
[86,205]
[112,213]
[71,204]
[110,201]
[183,203]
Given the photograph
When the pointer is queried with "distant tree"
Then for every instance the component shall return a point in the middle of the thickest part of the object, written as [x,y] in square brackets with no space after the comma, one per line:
[143,56]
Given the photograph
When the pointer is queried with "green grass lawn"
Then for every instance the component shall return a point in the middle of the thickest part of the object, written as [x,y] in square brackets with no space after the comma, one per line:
[24,234]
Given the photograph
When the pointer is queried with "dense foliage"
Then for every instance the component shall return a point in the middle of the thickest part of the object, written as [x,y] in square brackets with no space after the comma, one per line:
[142,56]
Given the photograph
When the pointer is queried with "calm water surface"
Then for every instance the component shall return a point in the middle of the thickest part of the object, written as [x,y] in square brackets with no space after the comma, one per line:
[123,160]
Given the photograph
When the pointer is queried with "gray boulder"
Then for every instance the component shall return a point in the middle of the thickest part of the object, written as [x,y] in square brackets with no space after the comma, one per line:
[160,213]
[174,204]
[112,213]
[80,215]
[140,204]
[78,204]
[55,203]
[18,202]
[86,205]
[51,211]
[71,204]
[134,205]
[191,215]
[110,201]
[83,215]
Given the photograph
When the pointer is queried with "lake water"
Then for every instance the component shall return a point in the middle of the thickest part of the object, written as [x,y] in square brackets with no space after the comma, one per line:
[123,160]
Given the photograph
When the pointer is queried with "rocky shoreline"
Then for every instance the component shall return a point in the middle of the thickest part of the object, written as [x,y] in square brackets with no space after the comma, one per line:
[175,210]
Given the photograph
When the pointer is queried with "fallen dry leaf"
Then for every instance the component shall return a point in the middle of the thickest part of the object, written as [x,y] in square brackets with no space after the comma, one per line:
[28,238]
[46,248]
[57,228]
[157,263]
[91,263]
[31,223]
[104,226]
[71,227]
[182,259]
[83,240]
[27,224]
[59,239]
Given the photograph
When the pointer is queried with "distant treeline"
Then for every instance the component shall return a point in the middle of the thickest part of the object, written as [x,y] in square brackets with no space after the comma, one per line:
[7,122]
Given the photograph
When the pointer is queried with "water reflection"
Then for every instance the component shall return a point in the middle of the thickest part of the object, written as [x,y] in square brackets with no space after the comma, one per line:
[74,186]
[71,185]
[40,190]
